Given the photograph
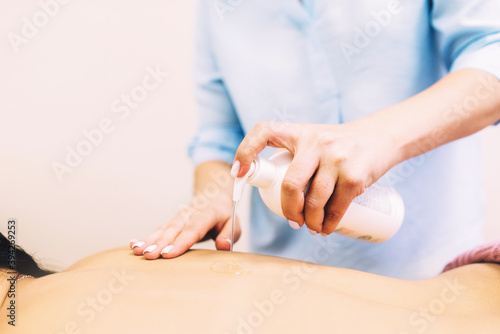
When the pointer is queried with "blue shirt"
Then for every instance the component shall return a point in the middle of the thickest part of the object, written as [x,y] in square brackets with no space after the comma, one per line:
[326,61]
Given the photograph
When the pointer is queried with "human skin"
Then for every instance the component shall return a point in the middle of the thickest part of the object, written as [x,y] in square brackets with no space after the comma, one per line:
[208,216]
[117,292]
[341,159]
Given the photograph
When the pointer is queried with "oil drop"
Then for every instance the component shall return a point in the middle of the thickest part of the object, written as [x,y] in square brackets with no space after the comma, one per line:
[235,204]
[228,266]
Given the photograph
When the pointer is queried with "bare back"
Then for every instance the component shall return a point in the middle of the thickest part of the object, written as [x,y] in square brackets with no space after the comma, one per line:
[117,292]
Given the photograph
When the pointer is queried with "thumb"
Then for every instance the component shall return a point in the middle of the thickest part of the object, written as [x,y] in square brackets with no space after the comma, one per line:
[274,134]
[223,240]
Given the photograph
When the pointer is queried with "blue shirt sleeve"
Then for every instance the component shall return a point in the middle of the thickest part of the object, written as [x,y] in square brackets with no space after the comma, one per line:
[219,131]
[468,33]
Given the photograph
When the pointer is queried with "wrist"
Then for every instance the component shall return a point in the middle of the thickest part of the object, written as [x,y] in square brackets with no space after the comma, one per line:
[213,182]
[212,197]
[385,136]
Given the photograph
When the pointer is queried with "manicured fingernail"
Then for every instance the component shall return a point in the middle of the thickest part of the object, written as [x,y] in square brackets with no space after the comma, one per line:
[235,169]
[228,240]
[167,249]
[294,225]
[324,234]
[149,249]
[313,232]
[138,244]
[133,241]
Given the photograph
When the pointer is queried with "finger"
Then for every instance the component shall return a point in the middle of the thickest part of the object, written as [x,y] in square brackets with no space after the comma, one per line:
[170,232]
[194,230]
[223,240]
[317,197]
[153,251]
[301,170]
[185,240]
[139,246]
[274,134]
[345,191]
[155,242]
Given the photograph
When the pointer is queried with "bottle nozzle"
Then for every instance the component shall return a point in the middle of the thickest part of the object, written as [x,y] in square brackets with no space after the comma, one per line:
[239,183]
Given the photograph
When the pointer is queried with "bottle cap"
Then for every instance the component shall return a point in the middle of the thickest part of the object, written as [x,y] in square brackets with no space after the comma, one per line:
[265,173]
[239,183]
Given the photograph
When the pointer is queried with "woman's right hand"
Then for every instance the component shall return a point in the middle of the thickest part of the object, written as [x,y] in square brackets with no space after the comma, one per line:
[201,220]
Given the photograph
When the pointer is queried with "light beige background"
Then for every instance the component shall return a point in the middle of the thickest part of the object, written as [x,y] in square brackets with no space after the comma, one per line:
[63,81]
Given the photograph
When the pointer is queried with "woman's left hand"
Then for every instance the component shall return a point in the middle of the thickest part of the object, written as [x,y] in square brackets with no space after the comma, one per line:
[340,160]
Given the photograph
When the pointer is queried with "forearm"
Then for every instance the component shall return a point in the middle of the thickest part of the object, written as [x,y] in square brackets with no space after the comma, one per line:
[459,105]
[212,179]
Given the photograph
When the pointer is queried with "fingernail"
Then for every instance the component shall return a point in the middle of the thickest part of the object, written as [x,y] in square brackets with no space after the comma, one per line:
[149,249]
[133,241]
[167,249]
[228,240]
[235,169]
[138,244]
[294,225]
[324,234]
[312,231]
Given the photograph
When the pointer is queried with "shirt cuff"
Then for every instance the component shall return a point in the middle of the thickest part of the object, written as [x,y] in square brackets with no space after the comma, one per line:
[485,58]
[200,155]
[215,143]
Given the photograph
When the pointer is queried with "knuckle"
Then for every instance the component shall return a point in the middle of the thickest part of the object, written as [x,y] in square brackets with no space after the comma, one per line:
[355,184]
[251,151]
[171,230]
[210,211]
[332,216]
[290,184]
[192,232]
[178,221]
[261,129]
[262,125]
[313,203]
[326,139]
[338,158]
[288,128]
[334,156]
[182,216]
[291,212]
[205,217]
[274,125]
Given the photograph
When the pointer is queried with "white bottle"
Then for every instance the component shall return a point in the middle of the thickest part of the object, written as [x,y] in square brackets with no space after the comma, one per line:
[374,216]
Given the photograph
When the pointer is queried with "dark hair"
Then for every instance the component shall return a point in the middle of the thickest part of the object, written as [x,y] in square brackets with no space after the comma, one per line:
[17,259]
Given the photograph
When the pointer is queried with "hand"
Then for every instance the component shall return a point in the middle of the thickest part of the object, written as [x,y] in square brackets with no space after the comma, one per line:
[201,220]
[339,160]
